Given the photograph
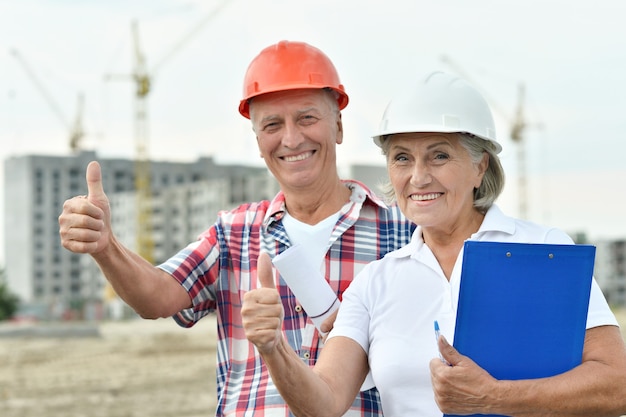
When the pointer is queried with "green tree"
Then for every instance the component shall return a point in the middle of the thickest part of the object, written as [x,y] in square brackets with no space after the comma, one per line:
[9,302]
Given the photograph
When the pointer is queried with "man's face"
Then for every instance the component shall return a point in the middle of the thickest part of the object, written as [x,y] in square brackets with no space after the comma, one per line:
[297,132]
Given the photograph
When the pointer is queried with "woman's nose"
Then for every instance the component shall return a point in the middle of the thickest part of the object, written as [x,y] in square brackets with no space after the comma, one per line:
[421,174]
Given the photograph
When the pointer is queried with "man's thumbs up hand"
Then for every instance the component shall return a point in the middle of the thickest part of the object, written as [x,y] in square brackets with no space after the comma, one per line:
[264,271]
[85,223]
[95,191]
[262,311]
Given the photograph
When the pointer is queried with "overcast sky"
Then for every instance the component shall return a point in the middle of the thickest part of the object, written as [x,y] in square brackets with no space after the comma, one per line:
[569,55]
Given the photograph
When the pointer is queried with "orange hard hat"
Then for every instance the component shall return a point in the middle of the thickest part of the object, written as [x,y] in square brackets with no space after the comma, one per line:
[289,66]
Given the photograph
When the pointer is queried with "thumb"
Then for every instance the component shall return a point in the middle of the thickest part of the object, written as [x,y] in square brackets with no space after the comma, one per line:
[264,271]
[448,352]
[95,191]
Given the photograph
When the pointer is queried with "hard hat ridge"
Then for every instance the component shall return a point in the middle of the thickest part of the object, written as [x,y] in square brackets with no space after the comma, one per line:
[441,103]
[289,65]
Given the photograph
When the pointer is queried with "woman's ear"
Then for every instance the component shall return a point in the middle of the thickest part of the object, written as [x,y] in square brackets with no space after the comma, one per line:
[482,168]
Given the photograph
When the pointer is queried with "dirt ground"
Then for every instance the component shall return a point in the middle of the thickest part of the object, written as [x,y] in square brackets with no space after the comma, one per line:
[130,369]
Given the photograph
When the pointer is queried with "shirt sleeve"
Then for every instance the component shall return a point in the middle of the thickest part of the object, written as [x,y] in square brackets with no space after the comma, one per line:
[599,312]
[353,318]
[196,268]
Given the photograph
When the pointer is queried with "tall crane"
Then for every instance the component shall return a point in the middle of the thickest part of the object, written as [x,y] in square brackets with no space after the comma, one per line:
[75,130]
[143,86]
[145,241]
[518,126]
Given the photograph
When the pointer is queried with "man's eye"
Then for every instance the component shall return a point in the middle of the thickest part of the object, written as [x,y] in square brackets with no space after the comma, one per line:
[270,126]
[308,119]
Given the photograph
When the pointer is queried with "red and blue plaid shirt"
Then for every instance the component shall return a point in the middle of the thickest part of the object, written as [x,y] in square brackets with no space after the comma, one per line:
[220,268]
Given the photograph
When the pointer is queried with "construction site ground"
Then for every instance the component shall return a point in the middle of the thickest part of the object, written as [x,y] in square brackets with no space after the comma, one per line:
[132,368]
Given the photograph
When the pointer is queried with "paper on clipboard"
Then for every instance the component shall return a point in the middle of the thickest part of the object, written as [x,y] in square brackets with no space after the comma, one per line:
[522,308]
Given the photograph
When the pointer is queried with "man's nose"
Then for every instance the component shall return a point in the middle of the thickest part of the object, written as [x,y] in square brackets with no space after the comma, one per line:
[292,135]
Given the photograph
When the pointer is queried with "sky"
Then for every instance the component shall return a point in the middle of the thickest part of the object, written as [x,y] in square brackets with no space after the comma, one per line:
[569,56]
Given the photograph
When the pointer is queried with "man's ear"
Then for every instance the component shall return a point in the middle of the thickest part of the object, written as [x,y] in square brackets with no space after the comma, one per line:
[259,147]
[339,129]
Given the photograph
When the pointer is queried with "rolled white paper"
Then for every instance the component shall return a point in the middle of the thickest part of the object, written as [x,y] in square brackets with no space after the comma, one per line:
[307,283]
[311,288]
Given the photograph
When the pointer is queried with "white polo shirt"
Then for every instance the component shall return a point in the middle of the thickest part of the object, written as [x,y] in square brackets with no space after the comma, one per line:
[390,307]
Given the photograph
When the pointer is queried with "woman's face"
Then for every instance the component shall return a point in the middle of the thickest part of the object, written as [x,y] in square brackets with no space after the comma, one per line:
[434,178]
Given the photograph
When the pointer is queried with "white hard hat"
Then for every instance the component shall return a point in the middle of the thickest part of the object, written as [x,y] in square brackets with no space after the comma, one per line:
[438,103]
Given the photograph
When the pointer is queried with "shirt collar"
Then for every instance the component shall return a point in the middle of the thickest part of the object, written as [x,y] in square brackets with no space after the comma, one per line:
[495,221]
[360,194]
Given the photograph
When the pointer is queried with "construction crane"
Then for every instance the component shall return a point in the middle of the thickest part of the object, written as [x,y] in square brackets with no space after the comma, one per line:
[76,132]
[143,86]
[145,241]
[517,125]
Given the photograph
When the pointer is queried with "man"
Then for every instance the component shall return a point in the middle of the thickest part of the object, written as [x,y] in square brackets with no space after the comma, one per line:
[293,96]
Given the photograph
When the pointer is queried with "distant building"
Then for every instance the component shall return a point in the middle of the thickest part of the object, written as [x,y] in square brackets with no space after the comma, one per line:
[610,270]
[374,176]
[186,198]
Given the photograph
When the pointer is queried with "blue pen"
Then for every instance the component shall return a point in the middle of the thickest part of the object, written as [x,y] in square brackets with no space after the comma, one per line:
[437,334]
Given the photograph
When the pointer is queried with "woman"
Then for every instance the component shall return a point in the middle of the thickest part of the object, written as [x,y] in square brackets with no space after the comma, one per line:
[441,152]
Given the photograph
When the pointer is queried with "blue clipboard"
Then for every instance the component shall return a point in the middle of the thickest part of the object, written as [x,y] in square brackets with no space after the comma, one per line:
[522,309]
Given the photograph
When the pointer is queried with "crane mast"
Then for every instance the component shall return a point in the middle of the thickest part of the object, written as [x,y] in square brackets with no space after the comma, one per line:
[145,240]
[76,132]
[517,136]
[143,86]
[517,125]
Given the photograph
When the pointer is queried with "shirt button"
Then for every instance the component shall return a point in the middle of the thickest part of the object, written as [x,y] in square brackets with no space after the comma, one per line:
[306,355]
[298,308]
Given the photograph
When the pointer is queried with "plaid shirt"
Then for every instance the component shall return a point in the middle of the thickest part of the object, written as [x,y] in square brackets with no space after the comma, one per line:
[220,268]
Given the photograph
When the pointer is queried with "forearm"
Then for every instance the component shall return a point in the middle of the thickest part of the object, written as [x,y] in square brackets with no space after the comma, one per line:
[306,393]
[595,388]
[150,291]
[574,395]
[327,390]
